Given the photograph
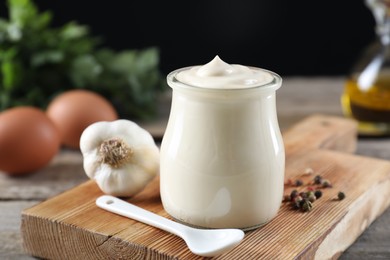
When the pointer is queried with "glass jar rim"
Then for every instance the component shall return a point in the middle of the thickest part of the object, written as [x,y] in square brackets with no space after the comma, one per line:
[274,84]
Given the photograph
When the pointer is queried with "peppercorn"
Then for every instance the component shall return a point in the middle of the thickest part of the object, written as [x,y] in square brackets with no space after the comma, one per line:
[293,194]
[311,196]
[303,194]
[317,179]
[318,194]
[289,182]
[326,184]
[296,202]
[301,203]
[308,171]
[306,205]
[310,188]
[298,183]
[341,195]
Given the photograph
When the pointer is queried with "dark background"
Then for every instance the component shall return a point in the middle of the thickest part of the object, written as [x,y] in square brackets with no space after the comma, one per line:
[305,37]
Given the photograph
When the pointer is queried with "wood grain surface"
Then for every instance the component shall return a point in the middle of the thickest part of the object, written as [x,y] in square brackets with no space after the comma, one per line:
[71,226]
[298,98]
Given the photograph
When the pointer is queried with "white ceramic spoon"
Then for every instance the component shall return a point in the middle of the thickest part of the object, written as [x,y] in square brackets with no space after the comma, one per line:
[203,242]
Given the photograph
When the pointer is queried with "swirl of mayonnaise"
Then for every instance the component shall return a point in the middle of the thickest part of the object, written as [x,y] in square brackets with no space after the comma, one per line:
[218,74]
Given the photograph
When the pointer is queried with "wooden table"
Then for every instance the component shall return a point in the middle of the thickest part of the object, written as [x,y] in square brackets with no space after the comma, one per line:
[298,98]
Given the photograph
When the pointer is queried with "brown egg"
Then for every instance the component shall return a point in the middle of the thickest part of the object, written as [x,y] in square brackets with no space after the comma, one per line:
[72,111]
[28,140]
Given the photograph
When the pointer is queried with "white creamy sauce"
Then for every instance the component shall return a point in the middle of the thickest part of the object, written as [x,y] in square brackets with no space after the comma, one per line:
[219,74]
[222,155]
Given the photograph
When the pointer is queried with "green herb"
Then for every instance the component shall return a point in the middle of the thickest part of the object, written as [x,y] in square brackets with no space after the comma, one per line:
[38,62]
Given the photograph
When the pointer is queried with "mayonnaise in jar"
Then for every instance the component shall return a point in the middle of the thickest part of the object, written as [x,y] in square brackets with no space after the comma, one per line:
[222,155]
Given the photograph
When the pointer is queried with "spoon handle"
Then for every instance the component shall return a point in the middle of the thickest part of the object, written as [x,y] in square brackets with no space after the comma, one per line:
[126,209]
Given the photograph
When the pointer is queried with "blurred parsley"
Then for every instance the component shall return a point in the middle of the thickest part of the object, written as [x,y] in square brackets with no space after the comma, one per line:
[37,62]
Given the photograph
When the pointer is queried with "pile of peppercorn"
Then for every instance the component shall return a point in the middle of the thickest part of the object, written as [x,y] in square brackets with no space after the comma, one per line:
[304,200]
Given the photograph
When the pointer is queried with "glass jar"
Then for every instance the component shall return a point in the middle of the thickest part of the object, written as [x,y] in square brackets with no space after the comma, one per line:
[366,96]
[222,155]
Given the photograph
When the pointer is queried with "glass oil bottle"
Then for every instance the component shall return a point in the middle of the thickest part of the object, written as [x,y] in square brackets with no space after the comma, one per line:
[366,96]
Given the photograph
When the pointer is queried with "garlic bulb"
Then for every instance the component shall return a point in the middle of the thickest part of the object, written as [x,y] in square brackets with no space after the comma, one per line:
[120,156]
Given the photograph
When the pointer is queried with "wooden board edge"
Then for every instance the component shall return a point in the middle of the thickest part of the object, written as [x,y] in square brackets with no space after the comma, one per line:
[365,210]
[39,241]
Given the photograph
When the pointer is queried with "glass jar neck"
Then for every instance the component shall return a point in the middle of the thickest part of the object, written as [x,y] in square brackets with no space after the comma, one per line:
[381,12]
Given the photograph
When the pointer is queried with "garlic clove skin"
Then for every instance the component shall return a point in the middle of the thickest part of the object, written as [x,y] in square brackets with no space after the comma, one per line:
[113,174]
[120,183]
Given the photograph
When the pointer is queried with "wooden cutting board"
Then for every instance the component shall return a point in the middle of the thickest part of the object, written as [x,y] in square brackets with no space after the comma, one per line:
[71,226]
